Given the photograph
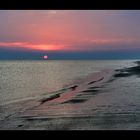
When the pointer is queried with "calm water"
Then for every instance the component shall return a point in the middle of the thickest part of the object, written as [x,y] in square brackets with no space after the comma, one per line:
[27,79]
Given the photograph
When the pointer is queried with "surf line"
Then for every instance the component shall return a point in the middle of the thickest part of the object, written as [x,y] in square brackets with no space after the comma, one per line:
[95,81]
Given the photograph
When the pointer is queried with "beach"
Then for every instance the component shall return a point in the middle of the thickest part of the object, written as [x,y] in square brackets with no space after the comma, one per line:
[101,100]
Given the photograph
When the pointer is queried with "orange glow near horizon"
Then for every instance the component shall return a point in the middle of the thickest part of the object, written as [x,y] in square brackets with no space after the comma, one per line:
[26,45]
[45,47]
[68,47]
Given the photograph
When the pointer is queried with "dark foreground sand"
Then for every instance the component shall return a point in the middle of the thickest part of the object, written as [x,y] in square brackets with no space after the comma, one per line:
[108,100]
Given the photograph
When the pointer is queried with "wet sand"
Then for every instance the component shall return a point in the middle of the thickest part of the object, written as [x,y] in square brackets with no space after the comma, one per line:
[101,101]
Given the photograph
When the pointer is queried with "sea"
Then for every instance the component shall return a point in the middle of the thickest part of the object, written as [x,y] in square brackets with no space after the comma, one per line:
[103,102]
[27,79]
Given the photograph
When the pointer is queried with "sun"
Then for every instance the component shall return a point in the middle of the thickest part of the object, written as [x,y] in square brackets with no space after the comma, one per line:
[45,57]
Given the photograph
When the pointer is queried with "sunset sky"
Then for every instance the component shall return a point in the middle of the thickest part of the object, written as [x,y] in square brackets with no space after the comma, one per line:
[69,33]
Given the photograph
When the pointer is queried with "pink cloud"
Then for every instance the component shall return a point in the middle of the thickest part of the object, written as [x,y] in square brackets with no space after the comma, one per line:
[28,45]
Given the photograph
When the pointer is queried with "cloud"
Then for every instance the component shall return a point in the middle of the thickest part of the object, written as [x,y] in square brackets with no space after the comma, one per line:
[64,29]
[27,45]
[52,12]
[81,44]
